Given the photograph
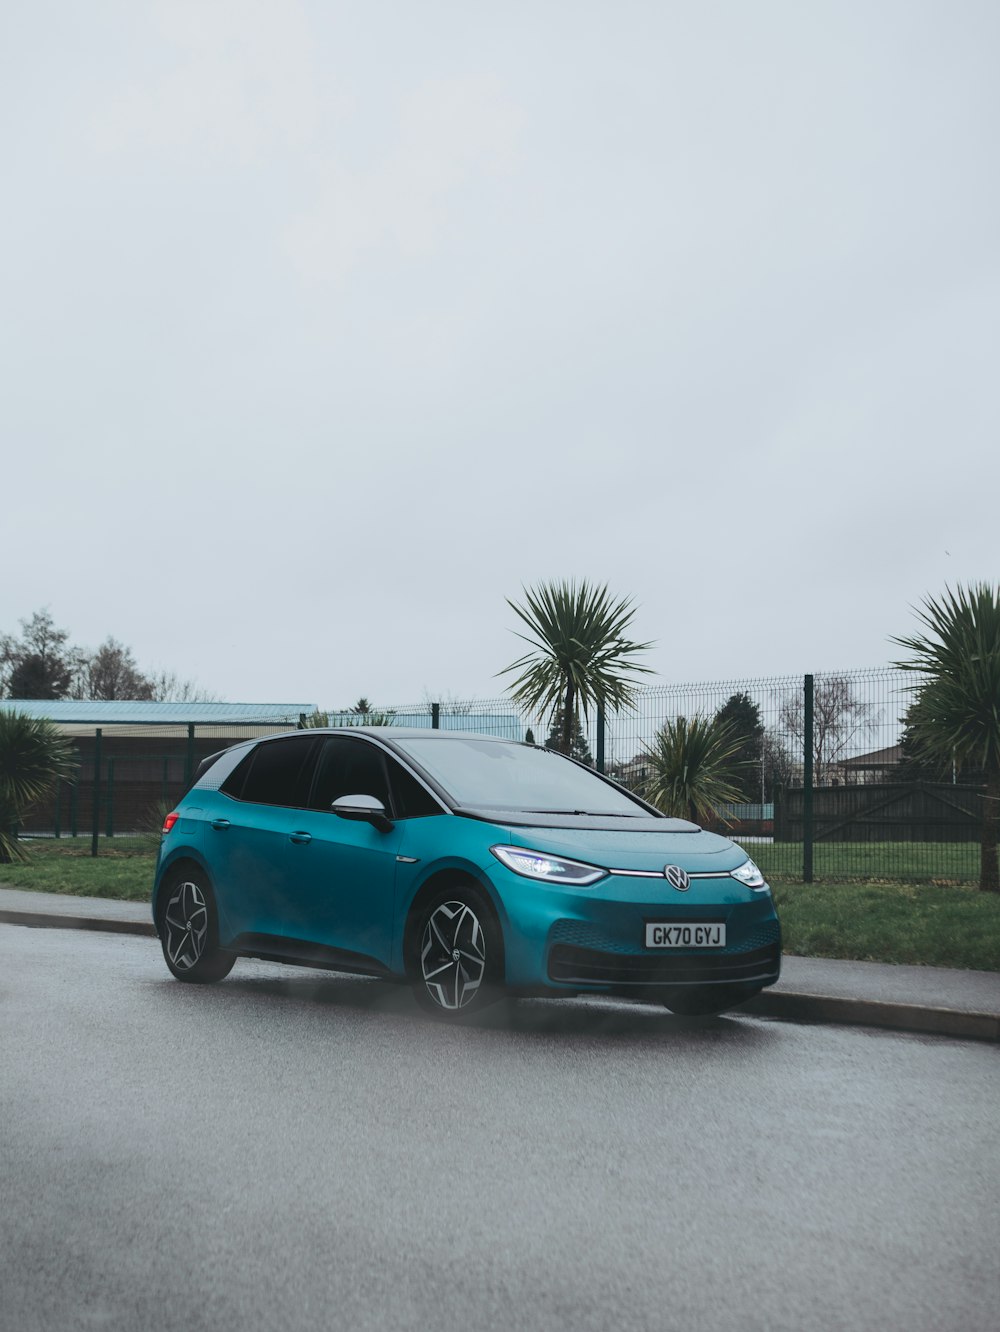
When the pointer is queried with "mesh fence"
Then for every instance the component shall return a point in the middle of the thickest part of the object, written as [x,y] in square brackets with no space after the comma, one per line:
[825,786]
[128,778]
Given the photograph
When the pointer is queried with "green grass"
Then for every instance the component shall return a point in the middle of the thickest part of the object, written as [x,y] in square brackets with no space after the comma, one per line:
[900,922]
[872,862]
[66,866]
[937,925]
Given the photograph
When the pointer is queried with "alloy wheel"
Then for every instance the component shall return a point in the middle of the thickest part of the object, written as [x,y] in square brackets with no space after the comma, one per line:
[453,955]
[186,924]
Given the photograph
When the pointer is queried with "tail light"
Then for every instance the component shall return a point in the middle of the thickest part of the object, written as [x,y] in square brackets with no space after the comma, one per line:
[169,821]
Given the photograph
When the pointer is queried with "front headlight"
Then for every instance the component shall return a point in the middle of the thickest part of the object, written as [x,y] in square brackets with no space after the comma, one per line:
[552,869]
[749,875]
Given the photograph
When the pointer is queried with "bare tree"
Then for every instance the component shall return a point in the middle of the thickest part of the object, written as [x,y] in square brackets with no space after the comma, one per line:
[839,718]
[112,673]
[168,687]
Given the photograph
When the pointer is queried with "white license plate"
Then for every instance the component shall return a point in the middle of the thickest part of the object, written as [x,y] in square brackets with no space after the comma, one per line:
[690,935]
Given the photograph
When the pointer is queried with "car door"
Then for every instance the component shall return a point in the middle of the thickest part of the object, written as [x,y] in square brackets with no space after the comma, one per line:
[346,872]
[250,843]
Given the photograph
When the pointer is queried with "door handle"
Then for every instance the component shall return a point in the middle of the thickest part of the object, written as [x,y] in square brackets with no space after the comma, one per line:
[220,824]
[300,838]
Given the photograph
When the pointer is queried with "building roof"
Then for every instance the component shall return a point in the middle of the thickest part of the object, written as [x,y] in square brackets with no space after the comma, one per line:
[878,758]
[90,712]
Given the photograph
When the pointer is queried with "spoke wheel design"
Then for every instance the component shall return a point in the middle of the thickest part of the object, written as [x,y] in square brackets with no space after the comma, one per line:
[187,922]
[185,926]
[453,955]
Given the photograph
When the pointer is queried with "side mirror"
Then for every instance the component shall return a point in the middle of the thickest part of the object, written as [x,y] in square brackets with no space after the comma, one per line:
[363,809]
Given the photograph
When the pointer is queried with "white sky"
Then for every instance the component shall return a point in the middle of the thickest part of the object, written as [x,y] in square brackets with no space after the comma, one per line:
[326,327]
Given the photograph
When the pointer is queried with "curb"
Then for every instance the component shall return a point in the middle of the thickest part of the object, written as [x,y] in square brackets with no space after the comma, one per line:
[39,920]
[785,1004]
[874,1013]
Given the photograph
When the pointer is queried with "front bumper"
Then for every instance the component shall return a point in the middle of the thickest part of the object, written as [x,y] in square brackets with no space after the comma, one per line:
[594,939]
[569,964]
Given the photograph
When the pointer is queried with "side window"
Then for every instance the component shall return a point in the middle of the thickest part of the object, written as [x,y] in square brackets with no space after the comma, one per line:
[349,767]
[410,799]
[276,772]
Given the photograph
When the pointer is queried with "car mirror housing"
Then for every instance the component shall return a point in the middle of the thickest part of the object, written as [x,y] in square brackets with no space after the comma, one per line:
[363,809]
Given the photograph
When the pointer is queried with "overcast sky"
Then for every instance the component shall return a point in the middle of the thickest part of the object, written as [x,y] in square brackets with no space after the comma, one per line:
[326,327]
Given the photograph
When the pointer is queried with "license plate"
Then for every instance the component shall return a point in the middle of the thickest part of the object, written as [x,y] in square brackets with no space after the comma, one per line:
[689,935]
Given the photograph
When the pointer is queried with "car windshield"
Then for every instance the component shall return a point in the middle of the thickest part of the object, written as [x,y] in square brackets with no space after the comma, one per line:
[486,775]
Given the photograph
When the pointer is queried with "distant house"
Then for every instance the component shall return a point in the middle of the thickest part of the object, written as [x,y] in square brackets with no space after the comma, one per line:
[878,766]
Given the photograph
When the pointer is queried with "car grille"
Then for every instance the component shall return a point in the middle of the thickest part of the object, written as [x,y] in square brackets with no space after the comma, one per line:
[570,964]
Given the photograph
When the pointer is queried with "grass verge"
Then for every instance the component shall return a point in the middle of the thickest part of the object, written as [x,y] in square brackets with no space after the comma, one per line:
[921,924]
[936,925]
[67,866]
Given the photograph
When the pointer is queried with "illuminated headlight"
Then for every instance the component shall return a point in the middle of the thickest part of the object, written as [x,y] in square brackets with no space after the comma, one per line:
[750,875]
[552,869]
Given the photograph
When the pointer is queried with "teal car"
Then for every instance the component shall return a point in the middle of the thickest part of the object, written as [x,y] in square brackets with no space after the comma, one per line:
[463,865]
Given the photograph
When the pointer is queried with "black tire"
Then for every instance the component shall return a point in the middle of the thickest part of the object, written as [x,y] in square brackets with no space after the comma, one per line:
[189,929]
[456,963]
[709,1000]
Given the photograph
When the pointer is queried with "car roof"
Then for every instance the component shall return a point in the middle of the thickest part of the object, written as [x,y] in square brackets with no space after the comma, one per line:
[402,733]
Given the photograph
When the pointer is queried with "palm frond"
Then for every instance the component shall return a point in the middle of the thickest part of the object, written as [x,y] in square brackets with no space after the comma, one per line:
[577,639]
[694,768]
[957,709]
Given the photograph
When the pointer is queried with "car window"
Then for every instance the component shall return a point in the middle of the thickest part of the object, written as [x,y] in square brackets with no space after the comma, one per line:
[410,799]
[276,772]
[349,767]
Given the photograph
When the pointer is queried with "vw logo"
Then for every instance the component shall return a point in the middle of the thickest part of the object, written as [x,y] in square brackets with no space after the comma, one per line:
[677,878]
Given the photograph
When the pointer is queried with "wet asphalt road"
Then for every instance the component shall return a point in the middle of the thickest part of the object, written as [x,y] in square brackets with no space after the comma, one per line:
[293,1149]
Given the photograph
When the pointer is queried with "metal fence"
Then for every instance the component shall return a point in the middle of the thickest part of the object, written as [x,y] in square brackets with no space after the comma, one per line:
[827,790]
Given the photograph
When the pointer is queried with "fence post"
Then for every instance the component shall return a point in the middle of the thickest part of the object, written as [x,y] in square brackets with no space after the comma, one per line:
[302,722]
[436,716]
[96,820]
[807,783]
[109,799]
[189,760]
[74,808]
[56,829]
[600,738]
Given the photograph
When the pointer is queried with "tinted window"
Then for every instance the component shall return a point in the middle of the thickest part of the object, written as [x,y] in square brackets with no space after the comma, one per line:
[349,767]
[276,772]
[411,800]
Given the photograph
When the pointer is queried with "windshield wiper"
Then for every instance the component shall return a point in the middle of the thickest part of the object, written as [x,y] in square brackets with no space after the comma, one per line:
[588,813]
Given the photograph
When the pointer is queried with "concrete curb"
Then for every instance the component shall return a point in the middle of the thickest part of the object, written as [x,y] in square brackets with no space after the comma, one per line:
[874,1013]
[39,920]
[791,1005]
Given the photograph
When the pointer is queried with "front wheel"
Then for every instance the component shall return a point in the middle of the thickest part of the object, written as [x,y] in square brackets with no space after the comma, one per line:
[189,930]
[458,966]
[709,1000]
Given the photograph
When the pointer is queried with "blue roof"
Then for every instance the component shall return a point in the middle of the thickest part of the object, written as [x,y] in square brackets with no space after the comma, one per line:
[506,725]
[91,712]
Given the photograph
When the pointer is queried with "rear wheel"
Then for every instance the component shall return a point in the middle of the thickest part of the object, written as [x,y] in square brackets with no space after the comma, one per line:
[709,1000]
[458,964]
[189,930]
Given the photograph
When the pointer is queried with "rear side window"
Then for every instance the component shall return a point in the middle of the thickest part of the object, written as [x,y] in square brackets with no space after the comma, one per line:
[277,772]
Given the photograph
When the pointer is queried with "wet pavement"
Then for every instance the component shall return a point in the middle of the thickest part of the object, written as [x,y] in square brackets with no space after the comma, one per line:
[933,1000]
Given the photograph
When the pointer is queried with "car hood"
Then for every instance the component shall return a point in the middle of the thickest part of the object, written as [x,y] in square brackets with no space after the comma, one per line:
[619,843]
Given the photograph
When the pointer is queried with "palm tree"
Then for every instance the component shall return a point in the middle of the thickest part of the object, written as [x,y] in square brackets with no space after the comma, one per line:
[956,713]
[694,768]
[33,757]
[580,658]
